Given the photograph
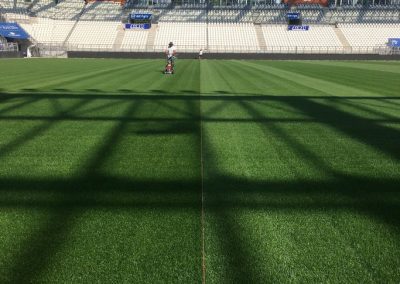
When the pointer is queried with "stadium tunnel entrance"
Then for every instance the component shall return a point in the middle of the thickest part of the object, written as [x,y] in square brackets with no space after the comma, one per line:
[14,39]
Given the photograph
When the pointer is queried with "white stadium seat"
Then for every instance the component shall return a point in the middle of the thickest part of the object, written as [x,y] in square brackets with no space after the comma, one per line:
[369,35]
[94,35]
[134,40]
[190,36]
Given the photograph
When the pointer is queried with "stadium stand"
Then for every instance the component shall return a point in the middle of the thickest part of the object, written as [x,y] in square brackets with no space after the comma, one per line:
[134,40]
[76,25]
[191,35]
[74,9]
[64,10]
[362,35]
[232,37]
[362,15]
[13,11]
[268,16]
[178,15]
[317,36]
[228,16]
[49,31]
[85,36]
[102,11]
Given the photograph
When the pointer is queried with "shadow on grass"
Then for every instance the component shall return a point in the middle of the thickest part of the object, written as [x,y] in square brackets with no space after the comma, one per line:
[30,90]
[127,91]
[167,129]
[69,197]
[65,199]
[382,138]
[189,95]
[40,129]
[17,106]
[94,91]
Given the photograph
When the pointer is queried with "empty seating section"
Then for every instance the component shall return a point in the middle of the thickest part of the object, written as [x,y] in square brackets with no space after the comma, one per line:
[6,5]
[181,15]
[226,16]
[42,8]
[369,35]
[269,16]
[311,16]
[64,10]
[278,36]
[381,16]
[111,11]
[71,9]
[13,11]
[190,36]
[352,15]
[102,11]
[232,37]
[88,35]
[134,40]
[47,30]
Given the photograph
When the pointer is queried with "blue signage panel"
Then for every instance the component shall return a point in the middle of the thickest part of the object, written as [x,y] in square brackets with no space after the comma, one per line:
[293,16]
[137,26]
[12,30]
[298,28]
[394,42]
[141,16]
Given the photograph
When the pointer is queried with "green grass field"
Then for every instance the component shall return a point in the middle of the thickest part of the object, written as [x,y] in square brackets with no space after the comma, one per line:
[272,171]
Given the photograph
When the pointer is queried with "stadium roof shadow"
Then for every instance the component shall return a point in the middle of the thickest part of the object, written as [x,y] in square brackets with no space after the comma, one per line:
[375,197]
[175,95]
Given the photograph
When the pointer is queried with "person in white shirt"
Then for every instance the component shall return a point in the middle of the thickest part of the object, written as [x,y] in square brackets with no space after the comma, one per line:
[171,52]
[201,54]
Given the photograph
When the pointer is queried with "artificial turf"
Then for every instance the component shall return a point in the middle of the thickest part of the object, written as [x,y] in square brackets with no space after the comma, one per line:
[104,165]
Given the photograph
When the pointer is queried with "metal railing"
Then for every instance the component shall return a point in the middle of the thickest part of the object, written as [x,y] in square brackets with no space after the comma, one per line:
[57,49]
[8,47]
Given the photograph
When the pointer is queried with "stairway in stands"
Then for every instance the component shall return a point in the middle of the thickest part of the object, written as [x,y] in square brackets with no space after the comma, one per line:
[151,37]
[343,40]
[119,38]
[74,26]
[260,36]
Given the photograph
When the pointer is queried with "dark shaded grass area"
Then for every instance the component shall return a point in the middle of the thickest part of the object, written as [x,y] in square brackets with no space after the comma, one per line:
[105,200]
[106,187]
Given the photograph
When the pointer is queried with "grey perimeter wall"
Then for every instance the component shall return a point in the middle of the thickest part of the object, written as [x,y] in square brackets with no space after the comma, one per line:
[10,54]
[153,55]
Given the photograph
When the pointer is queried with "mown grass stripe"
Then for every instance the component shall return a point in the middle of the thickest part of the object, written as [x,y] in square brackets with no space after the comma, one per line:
[322,85]
[360,65]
